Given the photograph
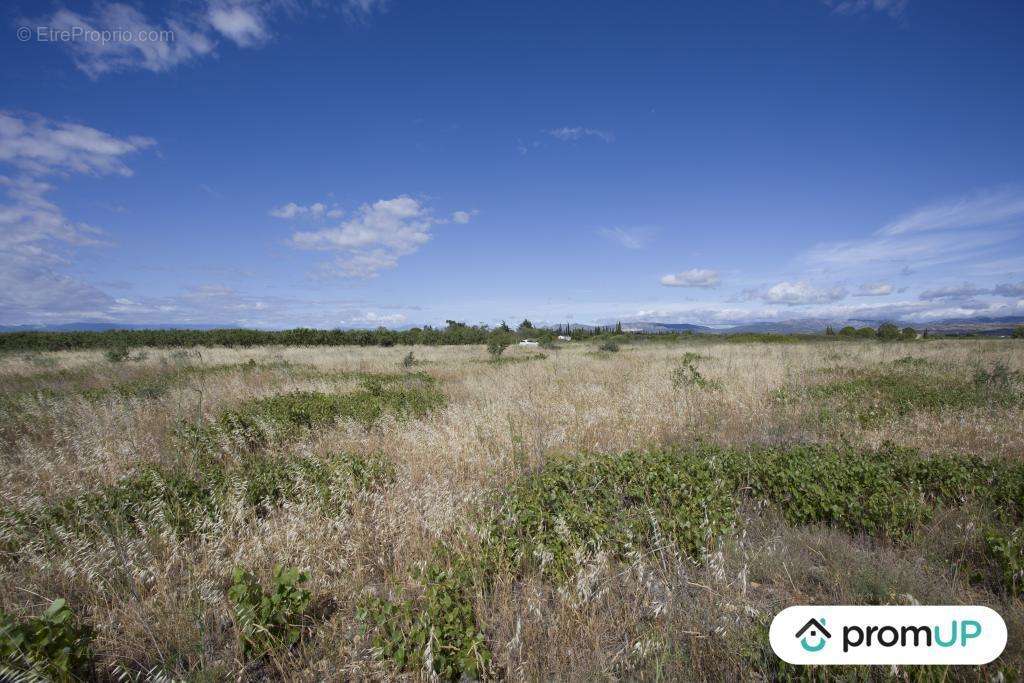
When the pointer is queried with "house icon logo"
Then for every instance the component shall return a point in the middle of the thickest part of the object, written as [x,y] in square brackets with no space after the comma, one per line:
[817,634]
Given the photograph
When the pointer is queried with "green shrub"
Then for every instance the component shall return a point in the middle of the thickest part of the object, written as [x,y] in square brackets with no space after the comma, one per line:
[285,416]
[498,341]
[873,396]
[1006,548]
[609,346]
[687,375]
[52,646]
[189,501]
[858,492]
[116,354]
[437,630]
[271,620]
[574,508]
[888,332]
[409,360]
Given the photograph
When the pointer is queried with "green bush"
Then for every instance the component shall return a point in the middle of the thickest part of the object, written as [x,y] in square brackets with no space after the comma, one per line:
[117,354]
[574,508]
[874,395]
[285,416]
[858,492]
[188,501]
[609,346]
[440,625]
[498,341]
[52,646]
[687,375]
[271,620]
[888,332]
[1006,548]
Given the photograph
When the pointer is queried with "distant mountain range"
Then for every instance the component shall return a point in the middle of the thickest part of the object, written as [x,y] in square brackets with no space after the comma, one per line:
[981,325]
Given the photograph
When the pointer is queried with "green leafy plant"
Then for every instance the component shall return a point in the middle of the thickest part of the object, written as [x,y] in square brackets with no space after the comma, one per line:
[271,620]
[574,508]
[409,360]
[52,646]
[1006,548]
[436,631]
[687,375]
[609,346]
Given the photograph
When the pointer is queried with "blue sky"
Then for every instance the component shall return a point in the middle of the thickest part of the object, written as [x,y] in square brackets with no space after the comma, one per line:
[356,163]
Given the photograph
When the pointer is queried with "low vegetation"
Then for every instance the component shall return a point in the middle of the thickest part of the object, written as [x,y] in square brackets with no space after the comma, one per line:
[340,513]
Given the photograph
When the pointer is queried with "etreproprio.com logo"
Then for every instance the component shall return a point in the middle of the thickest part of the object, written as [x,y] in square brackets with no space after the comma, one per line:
[849,634]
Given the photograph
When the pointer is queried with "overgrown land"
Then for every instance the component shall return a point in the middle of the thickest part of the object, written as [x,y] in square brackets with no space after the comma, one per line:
[615,507]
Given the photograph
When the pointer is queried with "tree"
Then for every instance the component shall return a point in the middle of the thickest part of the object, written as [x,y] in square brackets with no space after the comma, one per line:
[888,332]
[498,341]
[618,328]
[848,331]
[829,332]
[1018,332]
[866,332]
[525,327]
[909,333]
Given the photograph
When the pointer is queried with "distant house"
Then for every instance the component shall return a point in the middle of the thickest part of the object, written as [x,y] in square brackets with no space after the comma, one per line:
[564,337]
[528,342]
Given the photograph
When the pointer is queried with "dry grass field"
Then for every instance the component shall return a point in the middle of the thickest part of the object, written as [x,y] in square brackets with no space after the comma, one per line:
[576,514]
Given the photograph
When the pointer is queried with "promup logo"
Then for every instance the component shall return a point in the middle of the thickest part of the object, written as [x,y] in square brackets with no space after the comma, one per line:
[817,630]
[845,634]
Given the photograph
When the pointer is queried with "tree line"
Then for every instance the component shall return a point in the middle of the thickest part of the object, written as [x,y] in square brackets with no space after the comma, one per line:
[453,333]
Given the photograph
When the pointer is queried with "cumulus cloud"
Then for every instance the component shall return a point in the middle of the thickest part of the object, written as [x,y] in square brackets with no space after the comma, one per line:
[463,217]
[630,238]
[375,237]
[875,289]
[567,133]
[695,277]
[798,294]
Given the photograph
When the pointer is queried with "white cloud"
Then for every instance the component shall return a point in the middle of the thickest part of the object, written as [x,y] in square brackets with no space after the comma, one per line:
[991,208]
[242,25]
[1009,289]
[463,217]
[893,8]
[316,211]
[630,238]
[567,133]
[695,277]
[375,237]
[962,291]
[161,44]
[36,238]
[142,44]
[37,146]
[875,289]
[798,294]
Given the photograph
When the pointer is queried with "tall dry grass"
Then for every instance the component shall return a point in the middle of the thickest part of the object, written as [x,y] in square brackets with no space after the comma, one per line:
[158,606]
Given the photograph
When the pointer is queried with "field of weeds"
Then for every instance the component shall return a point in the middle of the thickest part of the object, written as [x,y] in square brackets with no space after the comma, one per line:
[335,513]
